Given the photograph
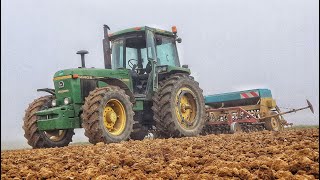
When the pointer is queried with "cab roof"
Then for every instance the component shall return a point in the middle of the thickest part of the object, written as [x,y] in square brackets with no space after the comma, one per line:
[140,29]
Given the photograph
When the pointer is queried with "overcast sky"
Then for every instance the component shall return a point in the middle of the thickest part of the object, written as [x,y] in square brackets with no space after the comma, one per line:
[229,45]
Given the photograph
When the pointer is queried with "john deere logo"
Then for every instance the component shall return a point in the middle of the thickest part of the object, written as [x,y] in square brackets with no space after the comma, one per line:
[61,84]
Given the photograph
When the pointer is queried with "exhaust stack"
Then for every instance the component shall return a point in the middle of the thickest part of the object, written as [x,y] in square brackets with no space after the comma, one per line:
[106,48]
[82,53]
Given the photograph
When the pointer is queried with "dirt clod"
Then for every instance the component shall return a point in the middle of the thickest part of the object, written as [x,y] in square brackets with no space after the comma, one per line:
[290,154]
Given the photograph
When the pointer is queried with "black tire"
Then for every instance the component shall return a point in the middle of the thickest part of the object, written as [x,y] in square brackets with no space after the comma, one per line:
[282,124]
[138,135]
[43,139]
[93,115]
[138,132]
[273,123]
[169,118]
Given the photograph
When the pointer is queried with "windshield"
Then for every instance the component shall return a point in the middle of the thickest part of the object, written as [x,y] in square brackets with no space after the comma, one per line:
[166,51]
[136,50]
[129,52]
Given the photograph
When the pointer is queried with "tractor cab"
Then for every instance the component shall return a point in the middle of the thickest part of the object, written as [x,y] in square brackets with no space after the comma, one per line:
[142,88]
[142,50]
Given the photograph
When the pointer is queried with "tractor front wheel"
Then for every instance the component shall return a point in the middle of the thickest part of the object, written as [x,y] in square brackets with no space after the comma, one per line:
[178,107]
[43,139]
[107,115]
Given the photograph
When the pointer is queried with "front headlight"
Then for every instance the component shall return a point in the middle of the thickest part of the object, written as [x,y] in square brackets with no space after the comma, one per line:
[67,101]
[54,103]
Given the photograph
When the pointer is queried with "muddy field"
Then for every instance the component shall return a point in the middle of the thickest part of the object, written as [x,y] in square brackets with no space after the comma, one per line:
[292,154]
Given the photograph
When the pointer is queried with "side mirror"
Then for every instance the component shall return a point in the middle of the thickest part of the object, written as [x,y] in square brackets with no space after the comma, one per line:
[179,40]
[185,66]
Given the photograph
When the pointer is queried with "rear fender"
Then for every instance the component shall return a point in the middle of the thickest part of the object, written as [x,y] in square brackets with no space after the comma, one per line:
[48,90]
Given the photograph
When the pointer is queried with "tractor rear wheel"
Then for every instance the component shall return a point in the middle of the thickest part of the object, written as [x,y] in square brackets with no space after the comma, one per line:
[273,123]
[178,107]
[43,139]
[107,115]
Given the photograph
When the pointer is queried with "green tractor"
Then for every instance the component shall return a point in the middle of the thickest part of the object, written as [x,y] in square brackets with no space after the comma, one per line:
[142,89]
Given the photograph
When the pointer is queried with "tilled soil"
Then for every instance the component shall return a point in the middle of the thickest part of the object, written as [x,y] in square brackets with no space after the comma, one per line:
[291,154]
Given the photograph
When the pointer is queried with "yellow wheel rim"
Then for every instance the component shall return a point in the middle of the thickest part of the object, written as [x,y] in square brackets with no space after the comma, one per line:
[274,123]
[114,117]
[186,108]
[55,135]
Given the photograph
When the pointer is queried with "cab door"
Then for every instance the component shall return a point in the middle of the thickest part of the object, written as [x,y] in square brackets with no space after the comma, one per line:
[152,85]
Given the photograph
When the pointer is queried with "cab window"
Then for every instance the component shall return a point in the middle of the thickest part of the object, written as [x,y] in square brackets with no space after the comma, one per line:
[167,51]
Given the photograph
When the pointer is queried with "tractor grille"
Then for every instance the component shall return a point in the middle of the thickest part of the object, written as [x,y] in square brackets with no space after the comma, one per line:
[87,85]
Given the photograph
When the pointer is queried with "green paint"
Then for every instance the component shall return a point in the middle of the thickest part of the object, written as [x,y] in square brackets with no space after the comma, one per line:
[62,117]
[102,84]
[69,116]
[175,69]
[95,72]
[138,106]
[61,123]
[72,87]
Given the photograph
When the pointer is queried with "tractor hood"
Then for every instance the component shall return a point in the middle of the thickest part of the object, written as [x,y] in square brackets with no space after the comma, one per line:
[77,83]
[90,73]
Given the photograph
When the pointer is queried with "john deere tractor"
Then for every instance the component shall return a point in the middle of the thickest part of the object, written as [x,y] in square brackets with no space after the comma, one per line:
[143,88]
